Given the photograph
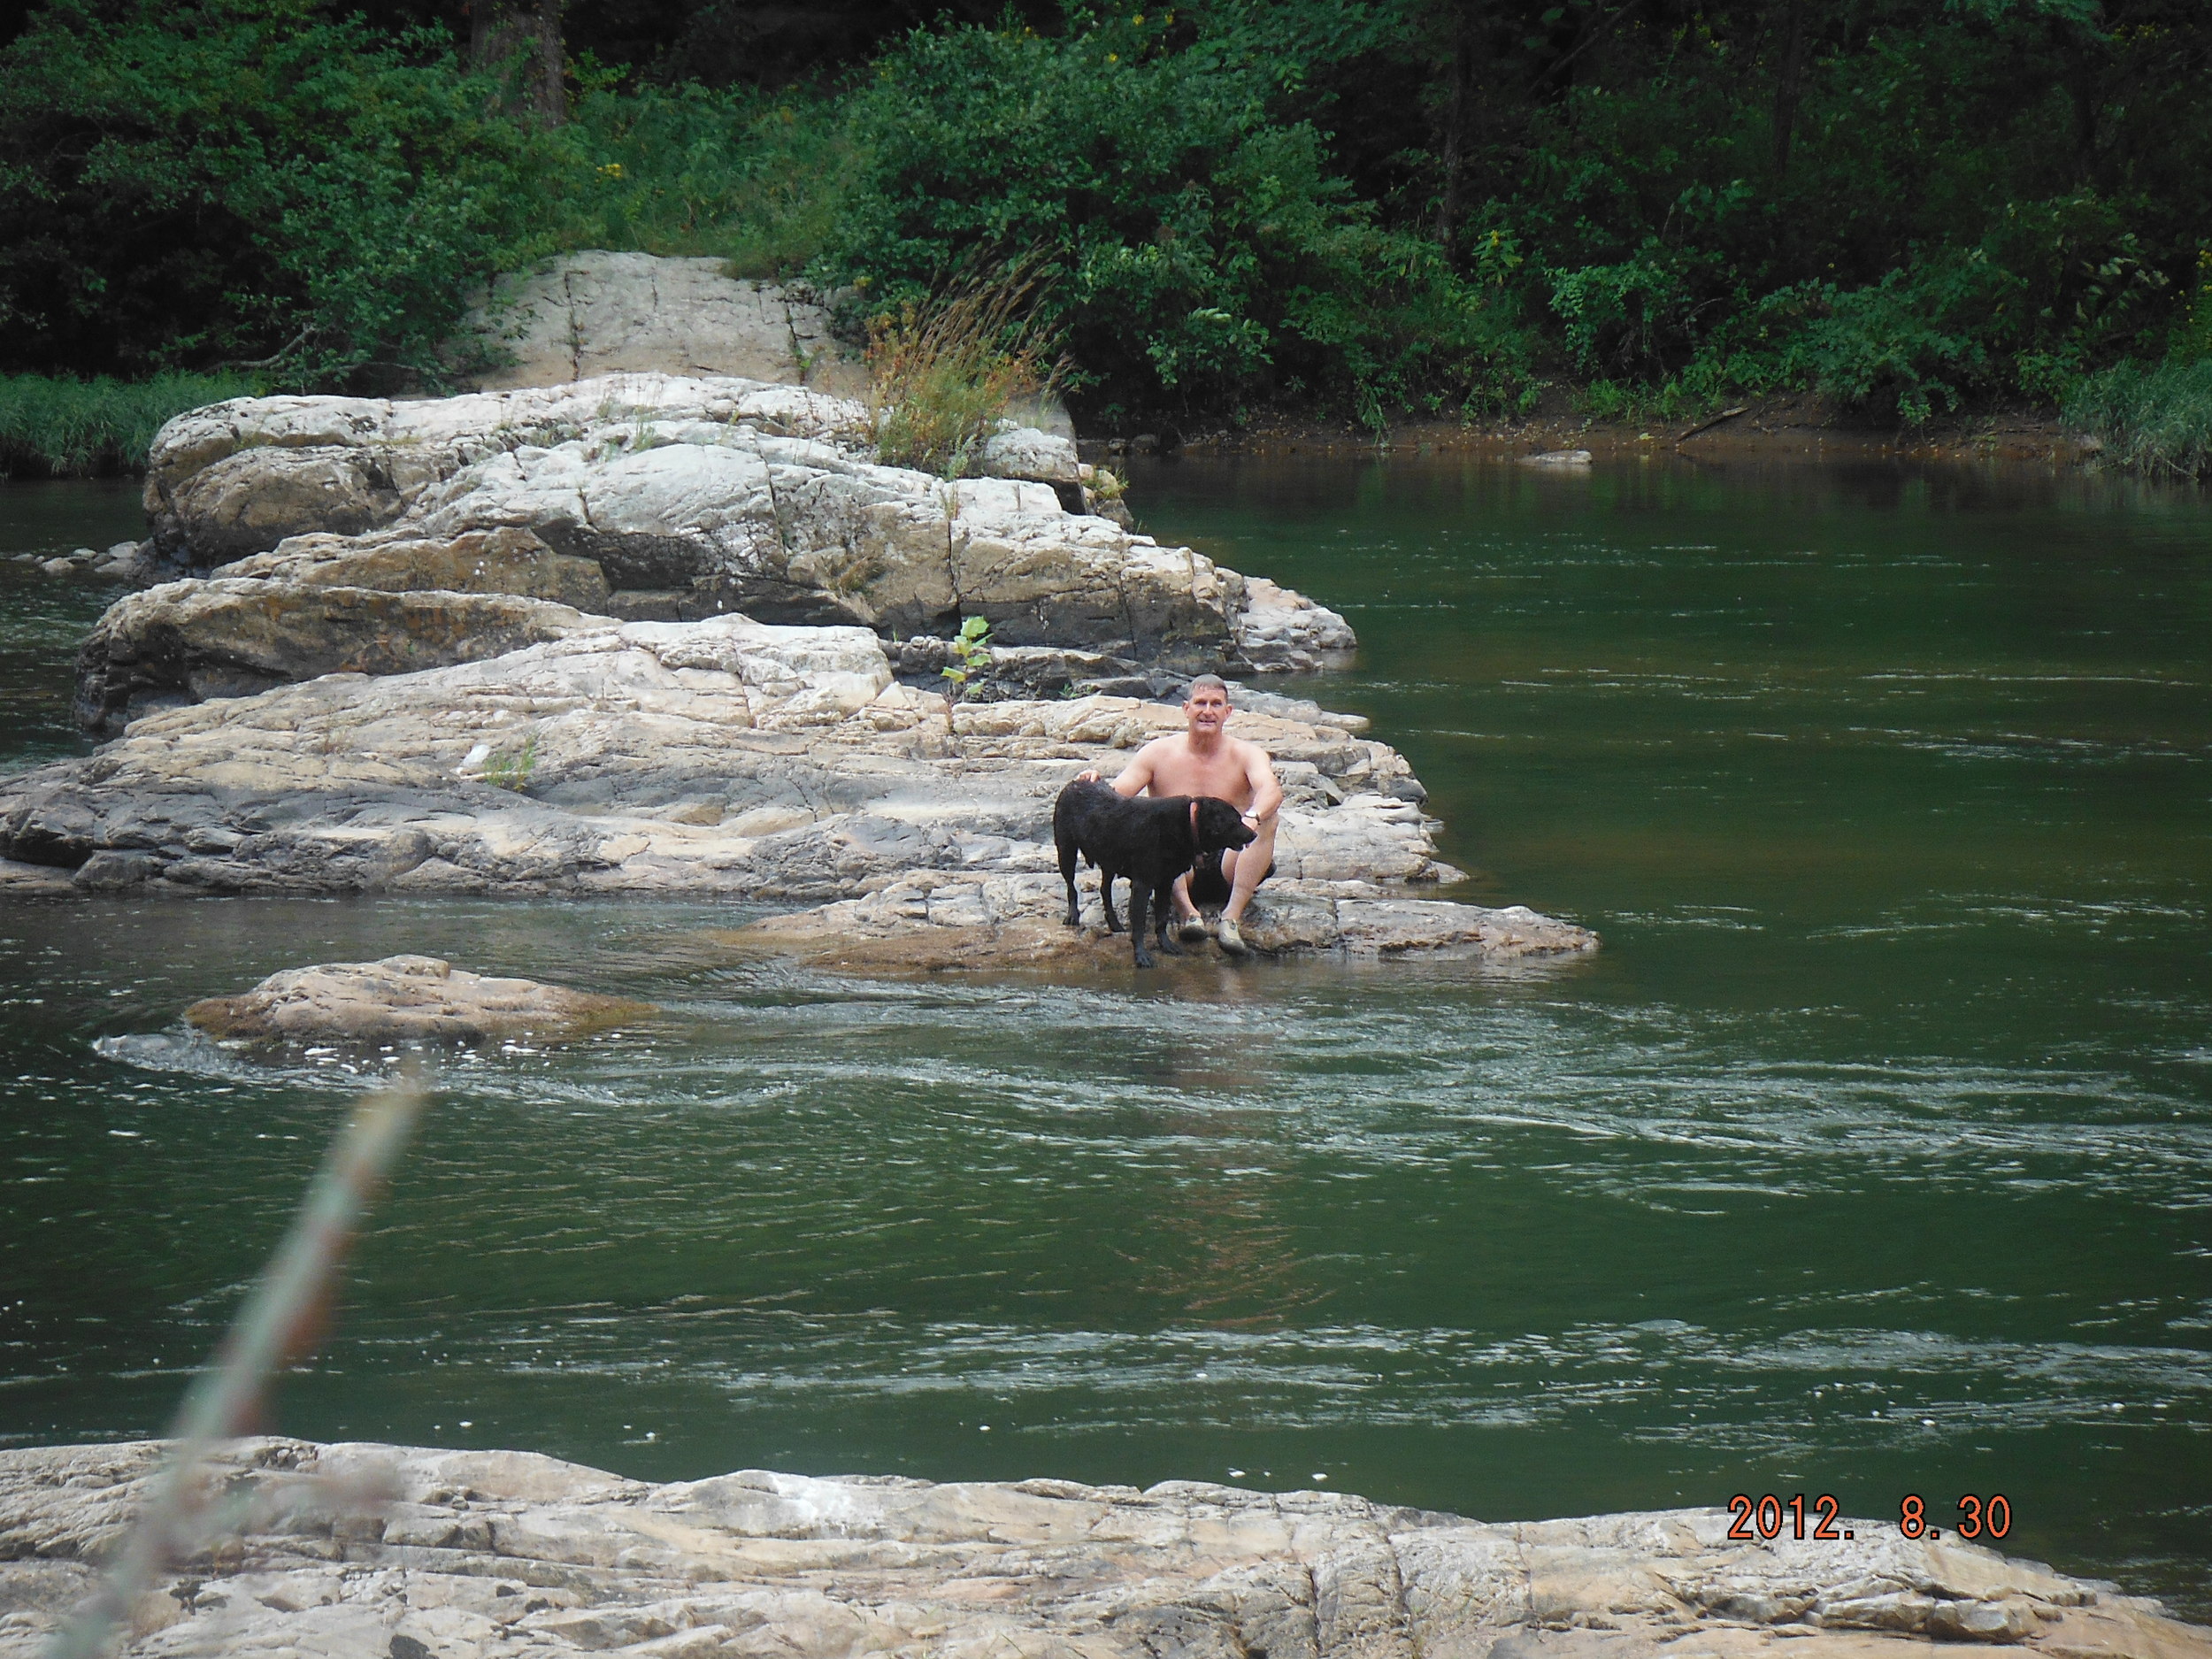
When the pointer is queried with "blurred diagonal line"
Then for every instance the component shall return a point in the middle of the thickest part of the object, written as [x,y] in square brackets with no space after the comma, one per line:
[277,1326]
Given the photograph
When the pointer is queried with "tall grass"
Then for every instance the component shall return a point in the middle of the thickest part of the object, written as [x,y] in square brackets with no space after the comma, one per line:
[59,428]
[942,372]
[2154,418]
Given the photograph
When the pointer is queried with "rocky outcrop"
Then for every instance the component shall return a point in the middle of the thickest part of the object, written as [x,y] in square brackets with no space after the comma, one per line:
[723,757]
[937,922]
[507,560]
[186,641]
[405,1000]
[376,1552]
[591,313]
[724,495]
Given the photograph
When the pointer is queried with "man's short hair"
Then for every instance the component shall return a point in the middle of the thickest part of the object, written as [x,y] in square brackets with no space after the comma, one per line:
[1215,680]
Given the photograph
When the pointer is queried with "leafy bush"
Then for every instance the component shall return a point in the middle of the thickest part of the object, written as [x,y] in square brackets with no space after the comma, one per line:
[688,170]
[2154,418]
[1203,256]
[70,427]
[245,182]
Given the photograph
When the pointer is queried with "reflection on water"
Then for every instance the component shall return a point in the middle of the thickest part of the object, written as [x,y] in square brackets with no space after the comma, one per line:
[1871,1157]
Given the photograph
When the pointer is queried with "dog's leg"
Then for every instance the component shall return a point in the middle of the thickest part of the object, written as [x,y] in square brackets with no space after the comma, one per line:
[1139,895]
[1106,898]
[1067,874]
[1163,912]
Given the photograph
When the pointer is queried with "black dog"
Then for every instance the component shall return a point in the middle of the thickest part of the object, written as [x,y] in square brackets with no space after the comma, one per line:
[1151,841]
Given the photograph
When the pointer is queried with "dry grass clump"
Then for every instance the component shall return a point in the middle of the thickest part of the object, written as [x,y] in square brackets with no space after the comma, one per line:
[942,372]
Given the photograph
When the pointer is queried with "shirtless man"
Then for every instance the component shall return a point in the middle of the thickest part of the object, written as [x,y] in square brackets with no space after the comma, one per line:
[1205,760]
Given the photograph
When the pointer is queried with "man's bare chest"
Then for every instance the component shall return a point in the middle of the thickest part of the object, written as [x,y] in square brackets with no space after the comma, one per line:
[1221,774]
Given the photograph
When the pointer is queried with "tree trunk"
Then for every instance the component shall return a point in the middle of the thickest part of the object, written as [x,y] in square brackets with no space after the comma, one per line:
[1459,120]
[526,42]
[1788,84]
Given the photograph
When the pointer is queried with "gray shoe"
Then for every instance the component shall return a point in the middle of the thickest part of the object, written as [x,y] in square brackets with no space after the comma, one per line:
[1193,928]
[1232,940]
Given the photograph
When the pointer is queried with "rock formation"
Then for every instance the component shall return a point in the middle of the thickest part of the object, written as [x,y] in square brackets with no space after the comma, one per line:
[715,496]
[591,313]
[374,1552]
[933,922]
[186,641]
[405,1000]
[723,757]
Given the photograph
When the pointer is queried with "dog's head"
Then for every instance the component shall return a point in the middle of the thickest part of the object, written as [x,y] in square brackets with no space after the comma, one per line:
[1220,826]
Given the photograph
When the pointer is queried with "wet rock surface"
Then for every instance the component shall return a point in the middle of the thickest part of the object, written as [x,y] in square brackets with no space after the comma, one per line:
[469,1554]
[932,923]
[729,495]
[405,1000]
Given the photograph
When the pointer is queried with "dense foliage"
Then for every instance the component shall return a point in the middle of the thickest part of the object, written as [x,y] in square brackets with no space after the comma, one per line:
[1365,207]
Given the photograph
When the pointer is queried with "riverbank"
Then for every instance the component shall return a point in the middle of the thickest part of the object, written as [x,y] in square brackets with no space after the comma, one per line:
[409,1552]
[1795,427]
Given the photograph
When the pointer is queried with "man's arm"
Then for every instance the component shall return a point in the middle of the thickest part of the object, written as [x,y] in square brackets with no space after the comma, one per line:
[1134,776]
[1267,791]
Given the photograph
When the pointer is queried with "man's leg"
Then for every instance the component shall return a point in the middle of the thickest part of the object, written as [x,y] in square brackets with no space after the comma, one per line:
[1246,868]
[1184,909]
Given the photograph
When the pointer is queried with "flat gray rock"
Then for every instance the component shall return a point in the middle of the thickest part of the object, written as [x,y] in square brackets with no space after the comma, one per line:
[470,1554]
[717,757]
[405,1000]
[933,923]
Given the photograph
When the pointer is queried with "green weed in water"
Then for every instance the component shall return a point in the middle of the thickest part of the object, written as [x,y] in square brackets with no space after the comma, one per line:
[60,427]
[2153,417]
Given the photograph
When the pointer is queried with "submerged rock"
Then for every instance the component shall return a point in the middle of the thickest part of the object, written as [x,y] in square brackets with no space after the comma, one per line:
[934,922]
[724,757]
[405,1000]
[377,1551]
[732,494]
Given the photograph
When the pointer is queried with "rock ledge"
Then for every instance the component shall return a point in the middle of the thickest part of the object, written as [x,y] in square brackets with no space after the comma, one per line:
[477,1554]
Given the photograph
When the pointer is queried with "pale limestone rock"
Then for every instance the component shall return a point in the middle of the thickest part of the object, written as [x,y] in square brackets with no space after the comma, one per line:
[732,496]
[723,757]
[405,1000]
[501,561]
[469,1555]
[590,313]
[182,641]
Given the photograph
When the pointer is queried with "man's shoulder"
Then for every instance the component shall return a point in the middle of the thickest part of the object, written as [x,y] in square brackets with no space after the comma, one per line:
[1244,749]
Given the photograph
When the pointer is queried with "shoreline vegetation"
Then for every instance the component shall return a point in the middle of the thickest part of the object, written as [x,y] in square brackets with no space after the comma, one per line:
[1395,217]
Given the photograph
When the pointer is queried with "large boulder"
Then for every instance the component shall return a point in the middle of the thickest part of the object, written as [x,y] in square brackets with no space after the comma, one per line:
[384,1552]
[722,756]
[716,496]
[579,315]
[186,641]
[405,1000]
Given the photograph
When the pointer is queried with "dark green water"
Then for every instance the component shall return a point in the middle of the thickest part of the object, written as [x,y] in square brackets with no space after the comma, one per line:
[1873,1156]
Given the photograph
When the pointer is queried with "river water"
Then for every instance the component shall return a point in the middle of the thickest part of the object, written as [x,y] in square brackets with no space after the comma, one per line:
[1872,1156]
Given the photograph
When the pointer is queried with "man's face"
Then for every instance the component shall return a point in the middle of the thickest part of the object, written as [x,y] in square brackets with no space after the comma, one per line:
[1207,709]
